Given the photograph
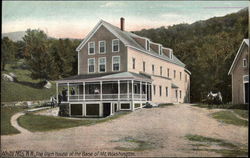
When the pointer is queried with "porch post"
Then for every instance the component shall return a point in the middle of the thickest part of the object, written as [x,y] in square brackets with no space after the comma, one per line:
[141,93]
[146,90]
[83,86]
[132,92]
[111,109]
[57,93]
[100,90]
[68,91]
[128,89]
[119,89]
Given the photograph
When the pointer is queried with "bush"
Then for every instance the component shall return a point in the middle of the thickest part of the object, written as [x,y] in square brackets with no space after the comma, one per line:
[64,110]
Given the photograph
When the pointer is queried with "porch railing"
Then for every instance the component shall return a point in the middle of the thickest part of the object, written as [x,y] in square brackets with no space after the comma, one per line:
[98,97]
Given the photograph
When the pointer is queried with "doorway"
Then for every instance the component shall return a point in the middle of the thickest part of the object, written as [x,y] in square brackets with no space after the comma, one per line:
[106,109]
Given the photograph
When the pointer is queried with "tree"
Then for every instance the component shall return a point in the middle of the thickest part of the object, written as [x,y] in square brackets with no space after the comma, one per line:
[8,50]
[36,51]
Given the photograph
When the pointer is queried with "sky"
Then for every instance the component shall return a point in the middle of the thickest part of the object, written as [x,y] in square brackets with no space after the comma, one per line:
[75,19]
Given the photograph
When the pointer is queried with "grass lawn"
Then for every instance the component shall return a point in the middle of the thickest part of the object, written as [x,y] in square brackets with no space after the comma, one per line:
[165,105]
[138,145]
[227,149]
[24,89]
[230,118]
[222,106]
[41,123]
[6,113]
[242,113]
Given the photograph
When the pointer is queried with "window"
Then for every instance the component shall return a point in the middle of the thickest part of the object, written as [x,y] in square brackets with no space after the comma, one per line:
[91,48]
[166,91]
[144,66]
[133,60]
[115,45]
[176,94]
[102,64]
[161,70]
[102,47]
[244,62]
[147,45]
[160,90]
[174,73]
[180,93]
[180,75]
[160,50]
[171,54]
[91,65]
[168,72]
[154,89]
[185,77]
[116,63]
[153,69]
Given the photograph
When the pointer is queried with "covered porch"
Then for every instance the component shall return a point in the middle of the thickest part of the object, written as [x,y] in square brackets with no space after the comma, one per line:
[125,86]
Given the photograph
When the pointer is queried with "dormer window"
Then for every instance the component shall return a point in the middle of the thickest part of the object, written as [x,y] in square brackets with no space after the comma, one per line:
[91,48]
[244,62]
[171,54]
[160,50]
[147,45]
[115,45]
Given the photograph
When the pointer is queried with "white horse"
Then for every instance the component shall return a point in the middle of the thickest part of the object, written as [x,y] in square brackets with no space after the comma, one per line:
[214,98]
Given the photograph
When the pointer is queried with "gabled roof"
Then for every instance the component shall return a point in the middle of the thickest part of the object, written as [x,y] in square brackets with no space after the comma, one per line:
[243,43]
[127,39]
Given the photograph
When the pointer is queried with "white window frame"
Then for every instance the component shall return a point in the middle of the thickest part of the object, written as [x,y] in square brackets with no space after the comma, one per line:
[113,63]
[144,66]
[100,47]
[100,64]
[89,65]
[113,45]
[133,63]
[161,71]
[244,99]
[153,69]
[244,60]
[166,88]
[171,54]
[89,48]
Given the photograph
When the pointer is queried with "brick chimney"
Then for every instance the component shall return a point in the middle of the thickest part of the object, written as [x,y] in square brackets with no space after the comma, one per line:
[122,23]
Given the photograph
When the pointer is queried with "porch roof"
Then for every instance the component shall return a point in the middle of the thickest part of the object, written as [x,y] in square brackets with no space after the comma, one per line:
[106,77]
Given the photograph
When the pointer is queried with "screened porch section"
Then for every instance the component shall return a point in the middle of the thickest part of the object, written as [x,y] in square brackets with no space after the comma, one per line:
[116,90]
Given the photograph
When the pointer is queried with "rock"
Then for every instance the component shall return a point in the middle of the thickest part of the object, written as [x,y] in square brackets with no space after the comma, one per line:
[47,85]
[12,74]
[29,103]
[7,77]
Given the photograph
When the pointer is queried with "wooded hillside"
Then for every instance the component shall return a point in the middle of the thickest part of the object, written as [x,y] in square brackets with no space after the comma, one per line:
[207,48]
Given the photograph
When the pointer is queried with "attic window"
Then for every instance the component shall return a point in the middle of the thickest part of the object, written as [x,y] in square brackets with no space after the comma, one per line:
[244,62]
[147,45]
[160,50]
[171,54]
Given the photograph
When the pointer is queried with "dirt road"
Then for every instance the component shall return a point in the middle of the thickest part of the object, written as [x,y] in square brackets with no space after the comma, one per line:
[164,128]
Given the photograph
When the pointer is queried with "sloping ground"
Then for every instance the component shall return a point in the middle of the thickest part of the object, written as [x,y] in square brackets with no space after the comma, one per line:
[152,132]
[26,88]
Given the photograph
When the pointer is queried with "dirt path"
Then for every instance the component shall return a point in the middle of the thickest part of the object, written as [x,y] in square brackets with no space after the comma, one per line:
[164,128]
[15,124]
